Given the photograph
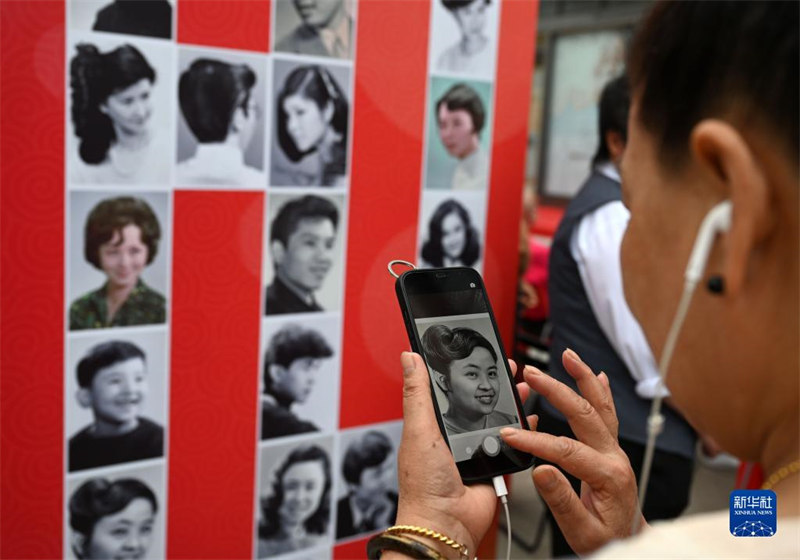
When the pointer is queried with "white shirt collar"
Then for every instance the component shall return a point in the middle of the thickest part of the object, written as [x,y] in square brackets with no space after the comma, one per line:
[609,170]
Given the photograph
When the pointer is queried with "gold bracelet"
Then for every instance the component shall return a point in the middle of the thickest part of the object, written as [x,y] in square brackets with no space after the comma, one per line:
[413,548]
[463,551]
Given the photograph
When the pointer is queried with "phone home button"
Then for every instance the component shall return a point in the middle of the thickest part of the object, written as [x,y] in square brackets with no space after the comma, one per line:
[491,446]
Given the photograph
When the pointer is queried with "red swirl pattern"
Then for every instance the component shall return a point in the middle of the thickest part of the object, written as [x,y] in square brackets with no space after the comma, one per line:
[233,24]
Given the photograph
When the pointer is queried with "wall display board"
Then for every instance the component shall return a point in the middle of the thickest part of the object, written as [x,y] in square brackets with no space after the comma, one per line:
[199,339]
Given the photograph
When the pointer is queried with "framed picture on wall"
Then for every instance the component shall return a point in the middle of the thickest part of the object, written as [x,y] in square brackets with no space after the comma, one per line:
[581,64]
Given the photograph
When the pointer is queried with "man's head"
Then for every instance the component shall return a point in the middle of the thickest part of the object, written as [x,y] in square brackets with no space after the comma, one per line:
[302,238]
[318,13]
[460,115]
[615,101]
[292,359]
[368,466]
[216,101]
[112,378]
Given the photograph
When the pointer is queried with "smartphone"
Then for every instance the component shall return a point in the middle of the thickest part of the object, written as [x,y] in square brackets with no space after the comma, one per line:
[451,325]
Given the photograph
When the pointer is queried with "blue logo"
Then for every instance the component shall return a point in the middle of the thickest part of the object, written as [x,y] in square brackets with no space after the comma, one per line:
[753,513]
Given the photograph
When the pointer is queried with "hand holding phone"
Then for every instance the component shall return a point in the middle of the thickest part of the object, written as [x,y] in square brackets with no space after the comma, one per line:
[450,323]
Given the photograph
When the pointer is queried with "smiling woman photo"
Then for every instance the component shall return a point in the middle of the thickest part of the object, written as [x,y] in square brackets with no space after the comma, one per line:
[312,122]
[112,115]
[452,239]
[296,513]
[464,366]
[121,239]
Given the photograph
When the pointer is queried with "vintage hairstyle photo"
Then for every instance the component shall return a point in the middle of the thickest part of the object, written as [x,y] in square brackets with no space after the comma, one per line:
[222,101]
[367,482]
[319,28]
[465,40]
[119,515]
[304,253]
[458,135]
[451,229]
[115,398]
[311,122]
[120,113]
[296,483]
[300,375]
[147,18]
[118,259]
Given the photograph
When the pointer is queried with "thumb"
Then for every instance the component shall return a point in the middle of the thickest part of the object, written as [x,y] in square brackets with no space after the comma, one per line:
[418,414]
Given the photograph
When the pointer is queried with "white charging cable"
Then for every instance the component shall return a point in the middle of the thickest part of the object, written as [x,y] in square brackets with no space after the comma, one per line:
[502,492]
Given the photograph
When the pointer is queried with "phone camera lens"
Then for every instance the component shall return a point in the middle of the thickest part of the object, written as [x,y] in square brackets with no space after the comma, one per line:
[472,284]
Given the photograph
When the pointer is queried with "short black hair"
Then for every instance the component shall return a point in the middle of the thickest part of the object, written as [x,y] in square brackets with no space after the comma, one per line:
[612,116]
[210,91]
[432,251]
[290,343]
[695,60]
[443,345]
[99,497]
[308,207]
[110,216]
[368,451]
[462,97]
[317,523]
[104,355]
[457,4]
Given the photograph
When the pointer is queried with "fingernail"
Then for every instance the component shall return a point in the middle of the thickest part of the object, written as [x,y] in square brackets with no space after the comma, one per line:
[508,432]
[572,355]
[533,370]
[407,361]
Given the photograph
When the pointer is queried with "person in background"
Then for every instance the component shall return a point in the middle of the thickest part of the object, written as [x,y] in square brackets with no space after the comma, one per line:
[460,116]
[371,501]
[296,513]
[112,519]
[703,129]
[218,104]
[121,239]
[152,18]
[112,115]
[326,30]
[291,363]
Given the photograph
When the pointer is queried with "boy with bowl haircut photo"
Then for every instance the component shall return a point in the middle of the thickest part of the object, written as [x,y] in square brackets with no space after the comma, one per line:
[112,378]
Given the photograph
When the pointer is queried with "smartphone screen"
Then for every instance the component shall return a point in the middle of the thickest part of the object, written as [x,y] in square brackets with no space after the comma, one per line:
[452,326]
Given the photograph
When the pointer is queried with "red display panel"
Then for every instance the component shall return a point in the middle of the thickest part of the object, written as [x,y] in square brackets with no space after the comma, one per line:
[384,200]
[31,278]
[233,24]
[216,291]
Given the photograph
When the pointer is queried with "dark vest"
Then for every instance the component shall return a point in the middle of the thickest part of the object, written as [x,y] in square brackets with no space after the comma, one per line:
[575,326]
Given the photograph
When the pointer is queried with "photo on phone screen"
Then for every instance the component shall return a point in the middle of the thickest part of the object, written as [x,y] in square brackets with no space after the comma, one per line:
[469,379]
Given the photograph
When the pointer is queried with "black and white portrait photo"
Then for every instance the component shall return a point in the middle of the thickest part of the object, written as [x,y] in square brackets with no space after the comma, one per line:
[310,134]
[119,515]
[459,135]
[452,229]
[304,263]
[314,27]
[118,259]
[221,96]
[300,376]
[120,112]
[464,41]
[115,399]
[149,18]
[469,379]
[367,497]
[295,491]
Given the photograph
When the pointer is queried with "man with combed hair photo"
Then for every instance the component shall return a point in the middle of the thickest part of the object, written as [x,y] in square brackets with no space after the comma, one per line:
[326,29]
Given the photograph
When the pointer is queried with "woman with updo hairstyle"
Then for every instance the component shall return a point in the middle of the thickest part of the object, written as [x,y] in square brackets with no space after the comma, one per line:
[112,118]
[297,512]
[312,120]
[452,239]
[121,239]
[112,519]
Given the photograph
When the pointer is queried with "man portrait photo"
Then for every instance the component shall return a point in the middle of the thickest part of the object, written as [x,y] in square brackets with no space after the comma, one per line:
[317,27]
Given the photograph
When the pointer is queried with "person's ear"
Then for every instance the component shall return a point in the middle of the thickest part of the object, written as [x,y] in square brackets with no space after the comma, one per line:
[103,107]
[616,145]
[276,373]
[78,543]
[278,251]
[84,397]
[238,119]
[441,381]
[327,112]
[727,161]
